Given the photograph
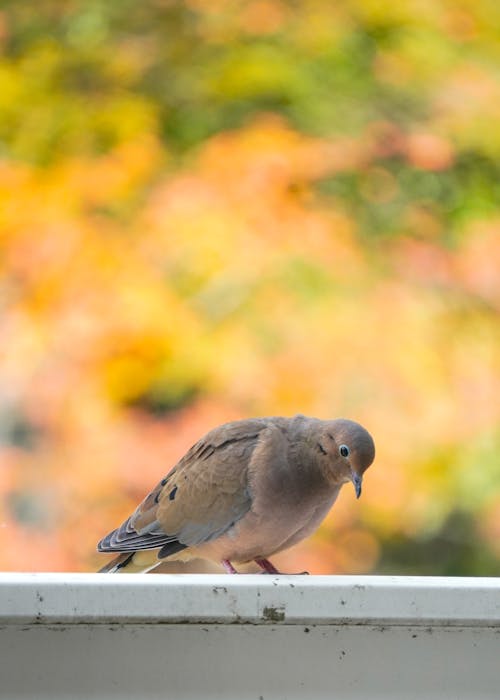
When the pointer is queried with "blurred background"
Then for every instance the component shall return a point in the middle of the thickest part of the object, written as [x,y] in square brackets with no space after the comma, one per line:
[216,210]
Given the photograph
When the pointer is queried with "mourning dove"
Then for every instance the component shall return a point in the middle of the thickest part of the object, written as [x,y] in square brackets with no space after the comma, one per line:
[246,490]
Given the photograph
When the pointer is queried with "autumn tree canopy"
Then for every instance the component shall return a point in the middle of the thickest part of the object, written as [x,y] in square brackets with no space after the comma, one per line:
[213,210]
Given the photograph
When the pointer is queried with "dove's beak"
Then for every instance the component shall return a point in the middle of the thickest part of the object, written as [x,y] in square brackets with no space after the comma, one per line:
[357,481]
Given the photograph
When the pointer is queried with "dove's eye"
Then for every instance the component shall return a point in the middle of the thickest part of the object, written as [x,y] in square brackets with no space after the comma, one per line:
[344,450]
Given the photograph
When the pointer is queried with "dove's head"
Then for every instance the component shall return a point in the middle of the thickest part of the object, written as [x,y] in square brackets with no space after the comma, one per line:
[351,450]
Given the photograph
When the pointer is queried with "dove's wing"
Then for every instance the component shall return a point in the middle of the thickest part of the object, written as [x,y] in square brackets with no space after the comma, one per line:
[199,500]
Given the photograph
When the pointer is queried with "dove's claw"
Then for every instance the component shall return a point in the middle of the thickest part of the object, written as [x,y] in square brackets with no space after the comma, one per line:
[269,568]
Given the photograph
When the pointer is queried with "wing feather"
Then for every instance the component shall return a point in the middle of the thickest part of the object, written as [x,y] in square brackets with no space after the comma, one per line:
[200,499]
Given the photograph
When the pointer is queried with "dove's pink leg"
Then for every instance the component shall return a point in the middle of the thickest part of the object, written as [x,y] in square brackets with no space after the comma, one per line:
[267,566]
[271,569]
[228,567]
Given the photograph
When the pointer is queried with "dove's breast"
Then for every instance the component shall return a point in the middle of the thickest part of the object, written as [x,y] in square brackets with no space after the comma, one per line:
[259,534]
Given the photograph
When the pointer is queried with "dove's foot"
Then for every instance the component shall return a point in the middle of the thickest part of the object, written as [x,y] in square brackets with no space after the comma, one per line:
[264,564]
[229,568]
[269,568]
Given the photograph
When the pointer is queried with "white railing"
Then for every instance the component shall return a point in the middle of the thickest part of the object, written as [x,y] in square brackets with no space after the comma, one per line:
[252,636]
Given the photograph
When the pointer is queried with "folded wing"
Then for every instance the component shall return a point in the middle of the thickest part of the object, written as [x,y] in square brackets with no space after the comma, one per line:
[200,499]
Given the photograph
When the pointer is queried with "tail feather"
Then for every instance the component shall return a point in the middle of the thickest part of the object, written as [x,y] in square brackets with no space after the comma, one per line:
[115,564]
[131,563]
[145,559]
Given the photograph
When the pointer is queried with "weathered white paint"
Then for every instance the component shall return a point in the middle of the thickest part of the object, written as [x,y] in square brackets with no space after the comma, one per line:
[186,636]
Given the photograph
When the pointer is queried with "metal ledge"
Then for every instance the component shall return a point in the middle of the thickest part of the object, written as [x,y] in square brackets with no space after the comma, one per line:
[251,599]
[185,637]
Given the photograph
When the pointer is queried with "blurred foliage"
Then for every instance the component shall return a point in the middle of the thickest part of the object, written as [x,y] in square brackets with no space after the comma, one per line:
[216,210]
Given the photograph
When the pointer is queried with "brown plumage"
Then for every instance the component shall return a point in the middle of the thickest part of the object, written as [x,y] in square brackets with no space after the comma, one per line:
[246,490]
